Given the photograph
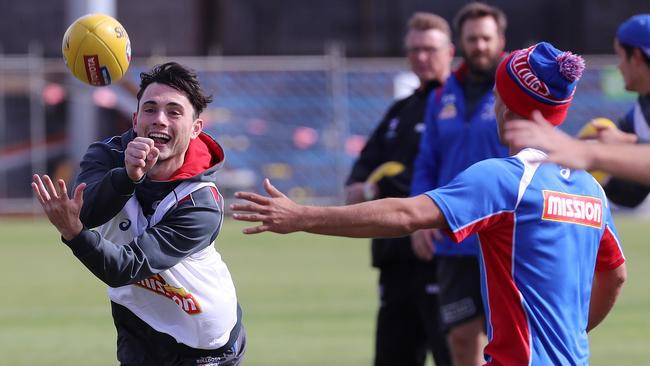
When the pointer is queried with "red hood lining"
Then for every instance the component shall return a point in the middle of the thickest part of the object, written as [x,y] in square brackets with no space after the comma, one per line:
[202,154]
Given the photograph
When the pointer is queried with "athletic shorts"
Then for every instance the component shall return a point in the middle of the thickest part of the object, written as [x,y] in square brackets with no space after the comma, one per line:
[408,321]
[460,290]
[138,344]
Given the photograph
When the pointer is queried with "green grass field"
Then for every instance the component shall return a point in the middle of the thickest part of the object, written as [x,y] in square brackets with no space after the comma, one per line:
[307,300]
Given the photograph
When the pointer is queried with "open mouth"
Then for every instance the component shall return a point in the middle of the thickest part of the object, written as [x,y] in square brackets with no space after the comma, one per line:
[159,137]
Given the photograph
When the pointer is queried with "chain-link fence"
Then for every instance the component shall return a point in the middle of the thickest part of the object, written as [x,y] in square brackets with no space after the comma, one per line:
[299,120]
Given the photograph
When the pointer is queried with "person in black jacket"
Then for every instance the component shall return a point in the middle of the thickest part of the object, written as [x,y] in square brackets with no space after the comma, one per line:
[151,196]
[407,322]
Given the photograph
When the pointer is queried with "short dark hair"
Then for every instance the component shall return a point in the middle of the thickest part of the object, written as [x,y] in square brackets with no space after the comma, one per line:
[180,78]
[475,10]
[629,50]
[422,21]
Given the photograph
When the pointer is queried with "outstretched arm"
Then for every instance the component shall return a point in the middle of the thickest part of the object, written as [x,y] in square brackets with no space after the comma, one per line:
[390,217]
[629,161]
[193,225]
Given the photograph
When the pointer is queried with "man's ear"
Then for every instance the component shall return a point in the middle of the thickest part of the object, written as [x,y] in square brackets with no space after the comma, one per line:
[452,50]
[134,119]
[510,115]
[637,57]
[197,127]
[502,42]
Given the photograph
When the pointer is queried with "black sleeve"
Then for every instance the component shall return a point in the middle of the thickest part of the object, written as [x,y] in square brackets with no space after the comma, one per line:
[626,123]
[186,229]
[371,155]
[398,183]
[626,193]
[621,191]
[108,186]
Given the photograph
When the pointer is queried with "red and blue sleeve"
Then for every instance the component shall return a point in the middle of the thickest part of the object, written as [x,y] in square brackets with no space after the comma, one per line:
[610,253]
[479,196]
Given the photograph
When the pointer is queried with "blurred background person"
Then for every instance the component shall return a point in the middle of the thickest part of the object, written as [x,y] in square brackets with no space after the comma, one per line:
[460,131]
[408,321]
[632,47]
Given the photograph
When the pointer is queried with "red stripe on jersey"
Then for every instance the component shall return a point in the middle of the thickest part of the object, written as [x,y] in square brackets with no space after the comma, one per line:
[509,343]
[610,255]
[478,225]
[215,193]
[189,196]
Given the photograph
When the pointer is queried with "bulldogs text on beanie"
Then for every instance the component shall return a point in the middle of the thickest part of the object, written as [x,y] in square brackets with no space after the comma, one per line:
[539,77]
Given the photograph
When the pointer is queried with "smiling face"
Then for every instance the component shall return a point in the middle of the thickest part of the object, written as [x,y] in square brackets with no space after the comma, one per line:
[166,116]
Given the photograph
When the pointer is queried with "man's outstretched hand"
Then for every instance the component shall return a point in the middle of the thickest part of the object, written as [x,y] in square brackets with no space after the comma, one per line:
[62,211]
[276,212]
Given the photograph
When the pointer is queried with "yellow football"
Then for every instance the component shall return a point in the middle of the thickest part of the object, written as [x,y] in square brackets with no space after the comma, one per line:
[589,132]
[96,49]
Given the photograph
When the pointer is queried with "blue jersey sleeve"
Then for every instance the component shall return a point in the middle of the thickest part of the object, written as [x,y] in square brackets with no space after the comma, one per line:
[425,176]
[475,198]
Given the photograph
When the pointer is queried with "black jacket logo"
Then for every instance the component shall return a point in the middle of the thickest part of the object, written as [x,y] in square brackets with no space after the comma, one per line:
[125,225]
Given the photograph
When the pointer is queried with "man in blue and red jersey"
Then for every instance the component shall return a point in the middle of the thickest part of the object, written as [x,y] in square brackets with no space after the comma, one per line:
[551,262]
[460,131]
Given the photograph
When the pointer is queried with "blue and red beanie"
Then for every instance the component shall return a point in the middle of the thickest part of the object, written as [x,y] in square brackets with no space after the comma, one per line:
[539,77]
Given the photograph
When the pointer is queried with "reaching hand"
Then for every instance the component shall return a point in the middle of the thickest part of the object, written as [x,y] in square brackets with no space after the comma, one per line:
[612,135]
[139,157]
[277,213]
[62,211]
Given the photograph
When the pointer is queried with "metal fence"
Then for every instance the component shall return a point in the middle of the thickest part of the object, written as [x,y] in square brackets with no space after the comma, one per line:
[299,120]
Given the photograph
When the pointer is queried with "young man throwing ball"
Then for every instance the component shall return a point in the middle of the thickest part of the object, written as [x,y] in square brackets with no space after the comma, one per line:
[151,195]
